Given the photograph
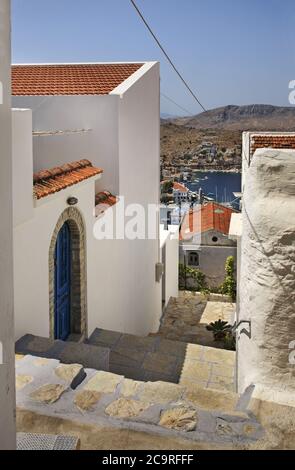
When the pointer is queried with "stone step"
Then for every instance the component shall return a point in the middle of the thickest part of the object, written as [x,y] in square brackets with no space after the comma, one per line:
[195,413]
[68,352]
[154,358]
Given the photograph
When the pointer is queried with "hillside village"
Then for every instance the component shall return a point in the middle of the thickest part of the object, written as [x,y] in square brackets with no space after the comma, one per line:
[127,324]
[187,150]
[212,140]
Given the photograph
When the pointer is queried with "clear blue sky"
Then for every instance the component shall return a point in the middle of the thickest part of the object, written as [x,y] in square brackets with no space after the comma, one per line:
[230,51]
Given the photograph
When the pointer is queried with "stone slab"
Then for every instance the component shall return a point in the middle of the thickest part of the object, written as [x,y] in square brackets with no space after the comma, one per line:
[104,382]
[161,392]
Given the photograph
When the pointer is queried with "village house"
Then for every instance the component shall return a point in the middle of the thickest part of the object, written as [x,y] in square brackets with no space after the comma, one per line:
[204,242]
[180,193]
[94,152]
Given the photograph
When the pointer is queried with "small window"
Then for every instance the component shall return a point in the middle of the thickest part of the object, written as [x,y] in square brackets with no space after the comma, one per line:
[214,239]
[193,258]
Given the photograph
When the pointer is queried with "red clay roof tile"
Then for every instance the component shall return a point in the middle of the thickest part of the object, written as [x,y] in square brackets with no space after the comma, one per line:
[48,182]
[179,187]
[69,79]
[274,141]
[210,216]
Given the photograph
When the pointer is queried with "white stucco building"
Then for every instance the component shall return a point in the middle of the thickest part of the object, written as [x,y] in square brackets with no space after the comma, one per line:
[204,242]
[180,193]
[7,388]
[95,140]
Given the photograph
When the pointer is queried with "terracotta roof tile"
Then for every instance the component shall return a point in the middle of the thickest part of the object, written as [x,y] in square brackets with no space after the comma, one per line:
[69,79]
[103,201]
[50,181]
[274,141]
[105,197]
[179,187]
[210,216]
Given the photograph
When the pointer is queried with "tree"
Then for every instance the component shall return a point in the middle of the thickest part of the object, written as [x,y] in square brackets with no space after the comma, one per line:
[167,187]
[228,287]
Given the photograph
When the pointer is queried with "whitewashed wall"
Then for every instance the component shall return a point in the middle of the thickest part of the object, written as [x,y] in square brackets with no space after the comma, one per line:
[172,261]
[98,114]
[123,294]
[7,389]
[267,280]
[120,295]
[139,177]
[22,162]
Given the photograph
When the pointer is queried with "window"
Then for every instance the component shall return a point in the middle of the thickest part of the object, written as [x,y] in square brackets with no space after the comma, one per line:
[193,258]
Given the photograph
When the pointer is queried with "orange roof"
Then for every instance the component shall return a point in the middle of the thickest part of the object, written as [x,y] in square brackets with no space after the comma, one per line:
[274,141]
[210,216]
[179,187]
[47,182]
[103,201]
[105,197]
[69,79]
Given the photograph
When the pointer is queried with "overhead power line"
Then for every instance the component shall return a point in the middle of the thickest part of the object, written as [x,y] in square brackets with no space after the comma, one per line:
[176,104]
[167,56]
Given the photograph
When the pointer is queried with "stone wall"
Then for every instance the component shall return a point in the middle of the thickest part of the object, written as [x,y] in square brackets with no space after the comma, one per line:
[267,282]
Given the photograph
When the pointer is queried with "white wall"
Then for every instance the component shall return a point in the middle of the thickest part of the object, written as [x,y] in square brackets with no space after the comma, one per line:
[70,113]
[172,261]
[267,283]
[139,180]
[123,294]
[118,295]
[22,163]
[7,391]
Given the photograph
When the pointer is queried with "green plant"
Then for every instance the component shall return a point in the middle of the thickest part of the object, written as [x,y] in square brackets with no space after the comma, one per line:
[219,329]
[229,341]
[167,187]
[228,287]
[199,279]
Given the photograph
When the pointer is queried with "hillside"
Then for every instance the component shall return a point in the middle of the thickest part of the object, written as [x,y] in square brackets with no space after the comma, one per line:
[253,117]
[212,140]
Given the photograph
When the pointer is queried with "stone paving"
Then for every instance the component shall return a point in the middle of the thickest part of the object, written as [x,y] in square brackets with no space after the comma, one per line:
[108,400]
[96,357]
[186,317]
[155,358]
[164,356]
[218,311]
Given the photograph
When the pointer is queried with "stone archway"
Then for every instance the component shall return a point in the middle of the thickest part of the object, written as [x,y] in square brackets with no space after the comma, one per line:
[74,219]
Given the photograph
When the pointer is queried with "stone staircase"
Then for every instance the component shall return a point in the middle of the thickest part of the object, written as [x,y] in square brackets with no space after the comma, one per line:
[67,352]
[155,358]
[146,359]
[107,409]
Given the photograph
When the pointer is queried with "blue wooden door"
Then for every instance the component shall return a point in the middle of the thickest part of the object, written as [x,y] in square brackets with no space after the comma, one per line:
[62,325]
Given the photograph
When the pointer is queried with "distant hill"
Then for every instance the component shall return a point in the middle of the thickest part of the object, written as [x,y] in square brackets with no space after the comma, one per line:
[165,116]
[257,117]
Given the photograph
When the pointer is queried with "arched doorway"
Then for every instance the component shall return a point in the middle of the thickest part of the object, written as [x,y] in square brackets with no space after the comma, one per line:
[67,277]
[62,283]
